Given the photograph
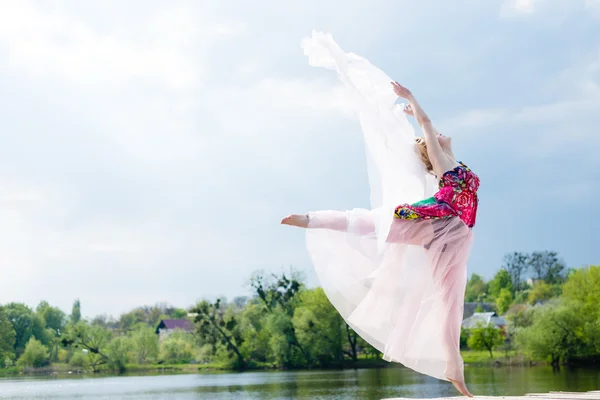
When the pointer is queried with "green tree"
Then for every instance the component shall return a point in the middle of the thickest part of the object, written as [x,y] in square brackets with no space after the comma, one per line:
[547,267]
[281,294]
[53,317]
[117,353]
[318,327]
[485,338]
[177,348]
[252,324]
[93,338]
[76,312]
[145,343]
[7,338]
[521,316]
[79,361]
[555,333]
[105,321]
[516,264]
[35,354]
[502,280]
[133,317]
[476,288]
[215,325]
[464,338]
[583,287]
[26,324]
[276,291]
[540,291]
[504,300]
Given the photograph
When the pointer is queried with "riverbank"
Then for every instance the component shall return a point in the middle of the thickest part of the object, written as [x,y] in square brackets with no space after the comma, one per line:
[472,359]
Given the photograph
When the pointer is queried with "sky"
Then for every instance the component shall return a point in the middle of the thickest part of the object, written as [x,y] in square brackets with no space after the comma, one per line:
[149,149]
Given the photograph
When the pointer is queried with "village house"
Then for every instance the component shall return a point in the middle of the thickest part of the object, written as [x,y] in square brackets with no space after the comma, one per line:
[168,326]
[479,319]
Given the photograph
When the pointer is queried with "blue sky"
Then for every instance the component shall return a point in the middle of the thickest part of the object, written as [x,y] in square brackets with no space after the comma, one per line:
[149,150]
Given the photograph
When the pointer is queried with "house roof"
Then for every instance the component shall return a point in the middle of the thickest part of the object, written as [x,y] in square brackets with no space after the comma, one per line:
[483,319]
[470,307]
[183,324]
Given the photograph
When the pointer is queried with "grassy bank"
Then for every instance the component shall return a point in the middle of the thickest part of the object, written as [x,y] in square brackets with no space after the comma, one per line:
[471,358]
[512,358]
[132,369]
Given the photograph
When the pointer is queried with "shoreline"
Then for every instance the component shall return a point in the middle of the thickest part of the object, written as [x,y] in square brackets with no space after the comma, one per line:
[471,359]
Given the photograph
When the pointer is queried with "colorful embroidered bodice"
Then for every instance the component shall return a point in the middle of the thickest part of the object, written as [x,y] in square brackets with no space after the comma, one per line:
[457,196]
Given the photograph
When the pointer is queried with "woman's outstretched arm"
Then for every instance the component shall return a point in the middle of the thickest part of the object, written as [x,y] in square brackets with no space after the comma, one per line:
[434,150]
[401,231]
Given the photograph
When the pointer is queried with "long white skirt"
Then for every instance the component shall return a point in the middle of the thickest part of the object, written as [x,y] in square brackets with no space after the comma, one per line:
[398,283]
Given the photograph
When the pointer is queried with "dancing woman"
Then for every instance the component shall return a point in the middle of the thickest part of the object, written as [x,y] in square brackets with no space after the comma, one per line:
[397,272]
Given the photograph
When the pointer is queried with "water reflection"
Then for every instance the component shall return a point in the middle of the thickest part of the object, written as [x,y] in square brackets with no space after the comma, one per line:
[368,384]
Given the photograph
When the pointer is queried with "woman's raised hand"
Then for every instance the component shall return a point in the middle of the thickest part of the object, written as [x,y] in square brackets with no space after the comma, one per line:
[401,91]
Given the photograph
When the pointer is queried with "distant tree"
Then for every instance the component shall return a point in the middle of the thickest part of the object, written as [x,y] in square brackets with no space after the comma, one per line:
[177,348]
[7,338]
[116,352]
[240,301]
[554,333]
[547,267]
[540,291]
[128,320]
[105,321]
[26,324]
[79,361]
[485,337]
[521,316]
[215,325]
[35,354]
[53,317]
[504,300]
[476,288]
[321,329]
[145,343]
[92,338]
[76,312]
[516,264]
[276,291]
[583,287]
[502,280]
[149,315]
[464,338]
[179,313]
[281,294]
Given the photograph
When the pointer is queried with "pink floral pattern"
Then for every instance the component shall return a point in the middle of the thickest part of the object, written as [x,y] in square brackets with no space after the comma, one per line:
[456,197]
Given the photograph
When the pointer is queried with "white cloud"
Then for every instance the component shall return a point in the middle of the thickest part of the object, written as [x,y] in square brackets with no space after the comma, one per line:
[519,6]
[57,43]
[555,10]
[149,151]
[139,163]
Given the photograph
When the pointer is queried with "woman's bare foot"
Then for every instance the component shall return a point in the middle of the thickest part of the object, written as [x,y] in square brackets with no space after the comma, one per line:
[296,220]
[461,387]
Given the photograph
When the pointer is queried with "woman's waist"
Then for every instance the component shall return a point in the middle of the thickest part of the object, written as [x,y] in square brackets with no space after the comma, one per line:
[458,200]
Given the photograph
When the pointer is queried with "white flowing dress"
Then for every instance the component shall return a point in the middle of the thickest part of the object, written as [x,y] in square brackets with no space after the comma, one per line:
[398,283]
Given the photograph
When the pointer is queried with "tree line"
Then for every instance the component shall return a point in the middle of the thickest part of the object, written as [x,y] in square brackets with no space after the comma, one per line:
[283,325]
[552,313]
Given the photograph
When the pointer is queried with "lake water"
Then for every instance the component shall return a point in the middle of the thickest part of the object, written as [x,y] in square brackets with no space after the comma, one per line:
[366,384]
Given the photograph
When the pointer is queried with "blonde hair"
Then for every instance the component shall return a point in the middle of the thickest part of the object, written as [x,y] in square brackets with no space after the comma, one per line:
[422,150]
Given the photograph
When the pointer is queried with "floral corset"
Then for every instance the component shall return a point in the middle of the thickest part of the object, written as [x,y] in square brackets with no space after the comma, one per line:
[458,189]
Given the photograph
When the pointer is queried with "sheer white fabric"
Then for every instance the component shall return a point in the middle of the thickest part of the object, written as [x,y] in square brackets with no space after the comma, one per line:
[400,284]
